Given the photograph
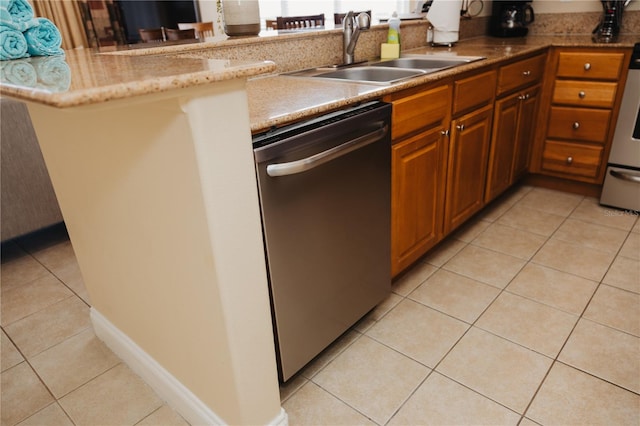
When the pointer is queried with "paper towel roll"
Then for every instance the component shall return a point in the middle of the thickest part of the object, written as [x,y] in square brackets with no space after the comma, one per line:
[444,16]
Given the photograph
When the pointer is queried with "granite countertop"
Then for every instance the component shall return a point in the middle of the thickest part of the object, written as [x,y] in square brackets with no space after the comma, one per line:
[84,76]
[277,100]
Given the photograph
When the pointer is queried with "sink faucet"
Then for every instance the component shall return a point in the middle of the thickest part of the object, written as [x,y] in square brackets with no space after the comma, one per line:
[351,27]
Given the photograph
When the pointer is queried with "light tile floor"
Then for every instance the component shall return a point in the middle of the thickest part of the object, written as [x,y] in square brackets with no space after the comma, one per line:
[529,314]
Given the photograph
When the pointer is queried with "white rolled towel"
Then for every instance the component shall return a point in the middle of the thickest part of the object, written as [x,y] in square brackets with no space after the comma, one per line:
[444,16]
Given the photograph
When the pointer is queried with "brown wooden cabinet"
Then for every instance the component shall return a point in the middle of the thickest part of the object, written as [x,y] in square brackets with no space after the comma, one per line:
[583,98]
[420,125]
[514,119]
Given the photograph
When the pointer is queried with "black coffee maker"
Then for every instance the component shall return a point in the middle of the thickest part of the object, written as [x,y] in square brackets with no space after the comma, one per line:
[611,21]
[510,18]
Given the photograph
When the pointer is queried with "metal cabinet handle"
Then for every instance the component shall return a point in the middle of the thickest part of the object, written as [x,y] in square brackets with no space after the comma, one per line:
[526,73]
[582,94]
[576,125]
[587,66]
[305,164]
[569,160]
[460,127]
[625,176]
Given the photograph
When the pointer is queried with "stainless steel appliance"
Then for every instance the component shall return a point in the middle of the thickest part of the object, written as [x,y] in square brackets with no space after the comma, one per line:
[510,18]
[622,182]
[324,190]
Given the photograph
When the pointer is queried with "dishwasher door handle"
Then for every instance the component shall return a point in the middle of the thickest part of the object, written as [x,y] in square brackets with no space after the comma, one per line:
[625,176]
[305,164]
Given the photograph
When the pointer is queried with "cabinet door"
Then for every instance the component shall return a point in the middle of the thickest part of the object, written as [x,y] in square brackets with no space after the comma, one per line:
[528,117]
[503,145]
[467,166]
[417,196]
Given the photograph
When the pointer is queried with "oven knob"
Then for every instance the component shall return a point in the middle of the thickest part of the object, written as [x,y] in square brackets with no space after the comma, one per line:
[569,160]
[576,125]
[587,66]
[581,95]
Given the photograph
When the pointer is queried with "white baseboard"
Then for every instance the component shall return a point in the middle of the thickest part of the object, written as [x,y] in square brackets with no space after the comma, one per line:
[178,396]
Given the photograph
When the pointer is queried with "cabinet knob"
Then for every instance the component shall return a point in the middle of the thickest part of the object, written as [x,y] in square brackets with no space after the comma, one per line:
[569,160]
[576,125]
[587,66]
[581,95]
[460,127]
[526,73]
[444,132]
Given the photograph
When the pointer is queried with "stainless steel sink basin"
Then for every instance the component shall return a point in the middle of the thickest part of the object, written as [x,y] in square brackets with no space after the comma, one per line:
[372,74]
[422,63]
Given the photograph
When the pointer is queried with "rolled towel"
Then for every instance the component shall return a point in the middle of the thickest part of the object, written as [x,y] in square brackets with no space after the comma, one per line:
[44,39]
[54,73]
[17,14]
[20,73]
[13,44]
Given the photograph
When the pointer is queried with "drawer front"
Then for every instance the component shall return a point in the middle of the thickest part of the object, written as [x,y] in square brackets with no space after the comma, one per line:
[591,65]
[590,125]
[420,110]
[572,158]
[520,74]
[474,91]
[585,93]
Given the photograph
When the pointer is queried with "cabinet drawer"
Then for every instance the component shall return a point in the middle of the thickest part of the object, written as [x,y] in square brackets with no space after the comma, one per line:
[579,123]
[584,93]
[592,65]
[520,74]
[572,158]
[473,91]
[420,110]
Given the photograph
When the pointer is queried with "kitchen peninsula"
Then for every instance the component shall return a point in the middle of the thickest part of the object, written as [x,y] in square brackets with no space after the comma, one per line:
[151,160]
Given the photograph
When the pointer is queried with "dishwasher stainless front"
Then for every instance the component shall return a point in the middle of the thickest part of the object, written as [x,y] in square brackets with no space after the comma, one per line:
[325,201]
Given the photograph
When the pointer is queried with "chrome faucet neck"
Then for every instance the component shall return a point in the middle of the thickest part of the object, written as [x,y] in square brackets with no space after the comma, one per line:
[351,27]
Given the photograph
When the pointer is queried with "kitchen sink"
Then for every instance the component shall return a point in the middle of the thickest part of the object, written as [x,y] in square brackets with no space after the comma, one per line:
[372,74]
[425,63]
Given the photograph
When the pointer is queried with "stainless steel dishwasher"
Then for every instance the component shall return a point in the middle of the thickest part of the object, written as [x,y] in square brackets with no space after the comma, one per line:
[325,201]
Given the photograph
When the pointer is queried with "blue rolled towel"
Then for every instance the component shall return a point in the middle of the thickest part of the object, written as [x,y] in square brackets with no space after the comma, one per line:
[17,14]
[44,39]
[13,44]
[20,73]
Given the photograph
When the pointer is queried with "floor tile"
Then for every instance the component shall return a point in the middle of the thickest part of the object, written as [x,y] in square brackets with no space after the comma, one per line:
[52,415]
[312,405]
[631,247]
[10,355]
[444,251]
[26,299]
[50,326]
[571,397]
[615,308]
[335,349]
[378,312]
[164,416]
[494,211]
[455,295]
[532,220]
[636,227]
[21,270]
[604,352]
[527,422]
[554,202]
[23,394]
[441,401]
[591,235]
[484,265]
[582,261]
[470,230]
[561,290]
[291,386]
[492,366]
[512,241]
[75,361]
[101,400]
[376,388]
[418,332]
[531,324]
[624,273]
[406,283]
[590,210]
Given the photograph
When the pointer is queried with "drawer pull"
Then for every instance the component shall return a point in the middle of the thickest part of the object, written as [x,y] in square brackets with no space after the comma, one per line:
[582,95]
[587,66]
[569,160]
[576,125]
[624,176]
[526,73]
[460,127]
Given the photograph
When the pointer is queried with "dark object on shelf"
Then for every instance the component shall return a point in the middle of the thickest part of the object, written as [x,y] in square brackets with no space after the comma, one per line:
[510,18]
